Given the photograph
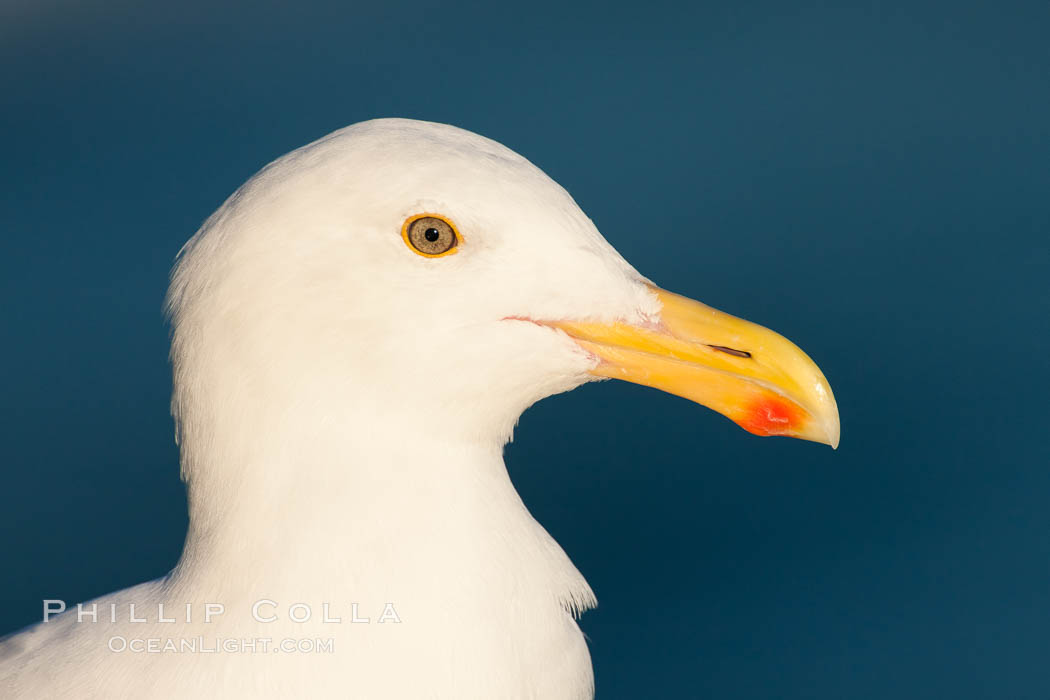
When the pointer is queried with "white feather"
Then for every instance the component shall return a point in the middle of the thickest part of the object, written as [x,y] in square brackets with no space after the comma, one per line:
[341,405]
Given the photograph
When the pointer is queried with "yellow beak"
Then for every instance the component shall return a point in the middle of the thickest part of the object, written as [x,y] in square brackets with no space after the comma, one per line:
[757,378]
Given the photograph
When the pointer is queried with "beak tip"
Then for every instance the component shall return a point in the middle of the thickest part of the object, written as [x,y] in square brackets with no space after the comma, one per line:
[832,431]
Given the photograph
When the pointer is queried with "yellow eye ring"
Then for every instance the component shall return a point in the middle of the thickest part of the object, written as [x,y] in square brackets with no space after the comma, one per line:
[431,235]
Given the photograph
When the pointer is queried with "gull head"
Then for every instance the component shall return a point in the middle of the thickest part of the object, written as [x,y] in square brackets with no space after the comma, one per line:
[420,279]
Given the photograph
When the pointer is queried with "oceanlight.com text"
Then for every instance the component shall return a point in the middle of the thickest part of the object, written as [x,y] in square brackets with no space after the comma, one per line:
[218,645]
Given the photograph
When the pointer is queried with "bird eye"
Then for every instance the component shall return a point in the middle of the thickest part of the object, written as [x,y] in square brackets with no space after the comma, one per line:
[430,235]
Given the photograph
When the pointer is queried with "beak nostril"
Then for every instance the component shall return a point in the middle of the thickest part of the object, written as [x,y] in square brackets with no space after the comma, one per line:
[731,351]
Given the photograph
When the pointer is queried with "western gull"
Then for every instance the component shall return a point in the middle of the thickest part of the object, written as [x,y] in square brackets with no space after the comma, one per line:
[355,333]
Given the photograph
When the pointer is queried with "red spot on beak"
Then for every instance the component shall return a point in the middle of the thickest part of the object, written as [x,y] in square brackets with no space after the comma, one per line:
[772,415]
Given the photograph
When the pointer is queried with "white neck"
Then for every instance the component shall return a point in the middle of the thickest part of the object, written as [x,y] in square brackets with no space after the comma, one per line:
[338,513]
[484,596]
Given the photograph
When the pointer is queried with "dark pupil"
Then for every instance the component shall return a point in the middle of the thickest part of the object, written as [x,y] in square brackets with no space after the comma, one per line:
[432,234]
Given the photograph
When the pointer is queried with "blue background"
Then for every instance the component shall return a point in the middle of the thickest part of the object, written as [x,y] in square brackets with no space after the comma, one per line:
[871,179]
